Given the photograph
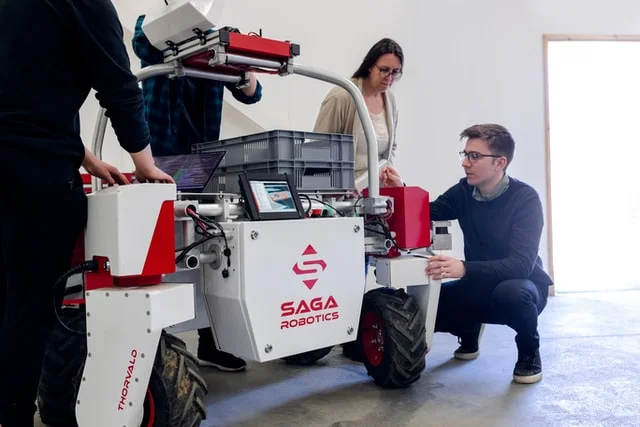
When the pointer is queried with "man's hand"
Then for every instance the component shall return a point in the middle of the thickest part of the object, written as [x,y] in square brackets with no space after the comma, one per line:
[153,174]
[250,89]
[389,177]
[445,267]
[103,170]
[146,170]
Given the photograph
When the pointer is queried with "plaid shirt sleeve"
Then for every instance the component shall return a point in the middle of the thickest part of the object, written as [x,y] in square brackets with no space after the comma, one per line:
[162,105]
[164,101]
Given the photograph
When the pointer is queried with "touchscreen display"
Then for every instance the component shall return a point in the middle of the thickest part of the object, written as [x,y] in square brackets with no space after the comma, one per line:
[272,196]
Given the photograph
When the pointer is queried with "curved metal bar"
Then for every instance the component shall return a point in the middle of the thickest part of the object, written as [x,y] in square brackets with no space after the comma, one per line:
[363,113]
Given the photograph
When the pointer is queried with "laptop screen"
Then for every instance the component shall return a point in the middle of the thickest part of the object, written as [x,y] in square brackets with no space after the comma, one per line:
[191,172]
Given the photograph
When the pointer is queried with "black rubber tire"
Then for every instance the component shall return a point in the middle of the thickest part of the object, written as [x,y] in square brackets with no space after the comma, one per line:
[61,371]
[403,347]
[176,387]
[307,358]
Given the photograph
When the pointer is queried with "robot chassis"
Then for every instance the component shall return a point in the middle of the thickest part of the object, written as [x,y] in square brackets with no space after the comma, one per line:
[113,360]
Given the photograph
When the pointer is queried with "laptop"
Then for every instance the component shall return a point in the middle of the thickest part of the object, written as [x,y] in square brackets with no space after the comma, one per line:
[191,172]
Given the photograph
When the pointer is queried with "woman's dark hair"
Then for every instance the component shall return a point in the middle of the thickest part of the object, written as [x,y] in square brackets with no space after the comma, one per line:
[383,47]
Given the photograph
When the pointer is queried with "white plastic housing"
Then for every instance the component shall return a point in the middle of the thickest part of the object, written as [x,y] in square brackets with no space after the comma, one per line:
[293,286]
[121,224]
[176,22]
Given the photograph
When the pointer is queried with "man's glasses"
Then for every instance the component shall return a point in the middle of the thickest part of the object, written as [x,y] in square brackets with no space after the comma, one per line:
[395,73]
[474,156]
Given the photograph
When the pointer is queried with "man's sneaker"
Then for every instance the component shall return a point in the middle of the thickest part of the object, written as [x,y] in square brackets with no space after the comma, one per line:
[468,341]
[221,360]
[528,368]
[467,350]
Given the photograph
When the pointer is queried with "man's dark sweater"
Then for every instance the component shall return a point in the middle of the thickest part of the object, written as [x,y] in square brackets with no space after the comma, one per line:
[51,54]
[501,236]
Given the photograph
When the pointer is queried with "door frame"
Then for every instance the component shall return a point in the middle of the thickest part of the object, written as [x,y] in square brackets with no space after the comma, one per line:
[546,39]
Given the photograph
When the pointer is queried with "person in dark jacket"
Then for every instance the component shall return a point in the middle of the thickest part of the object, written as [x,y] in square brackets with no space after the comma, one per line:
[52,54]
[501,280]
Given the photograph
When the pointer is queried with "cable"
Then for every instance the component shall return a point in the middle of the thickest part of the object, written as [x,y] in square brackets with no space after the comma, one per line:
[210,222]
[355,205]
[326,204]
[309,199]
[201,223]
[386,232]
[85,266]
[186,250]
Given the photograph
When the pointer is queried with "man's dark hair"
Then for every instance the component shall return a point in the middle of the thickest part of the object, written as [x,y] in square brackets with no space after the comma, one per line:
[498,138]
[383,47]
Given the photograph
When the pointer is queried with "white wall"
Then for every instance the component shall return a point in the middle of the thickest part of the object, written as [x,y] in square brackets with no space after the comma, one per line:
[466,62]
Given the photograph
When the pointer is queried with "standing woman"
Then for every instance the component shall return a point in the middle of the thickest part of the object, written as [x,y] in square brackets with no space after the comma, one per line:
[380,69]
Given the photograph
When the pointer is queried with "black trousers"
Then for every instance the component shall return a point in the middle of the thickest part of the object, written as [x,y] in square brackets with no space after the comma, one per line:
[516,303]
[38,231]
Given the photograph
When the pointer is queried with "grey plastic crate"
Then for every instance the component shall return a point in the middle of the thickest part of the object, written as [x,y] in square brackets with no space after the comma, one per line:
[307,176]
[317,161]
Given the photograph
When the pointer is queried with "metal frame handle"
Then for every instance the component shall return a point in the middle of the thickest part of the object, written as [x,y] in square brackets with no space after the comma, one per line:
[326,76]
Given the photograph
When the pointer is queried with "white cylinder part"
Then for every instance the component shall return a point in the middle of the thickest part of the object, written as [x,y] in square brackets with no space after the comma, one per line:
[180,207]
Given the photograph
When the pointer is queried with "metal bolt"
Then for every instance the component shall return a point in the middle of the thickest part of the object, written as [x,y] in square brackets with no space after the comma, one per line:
[126,295]
[106,294]
[88,334]
[254,235]
[147,295]
[349,330]
[356,228]
[88,354]
[88,314]
[142,355]
[84,378]
[107,266]
[268,348]
[148,331]
[78,402]
[130,403]
[148,313]
[87,294]
[137,380]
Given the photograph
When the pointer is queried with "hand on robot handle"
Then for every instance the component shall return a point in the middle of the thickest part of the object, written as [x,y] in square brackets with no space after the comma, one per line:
[103,170]
[146,170]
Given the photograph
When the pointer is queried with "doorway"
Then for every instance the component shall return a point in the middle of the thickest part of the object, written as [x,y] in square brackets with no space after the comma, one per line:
[593,152]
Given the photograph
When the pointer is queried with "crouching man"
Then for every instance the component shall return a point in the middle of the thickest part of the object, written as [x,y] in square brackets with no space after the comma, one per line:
[501,280]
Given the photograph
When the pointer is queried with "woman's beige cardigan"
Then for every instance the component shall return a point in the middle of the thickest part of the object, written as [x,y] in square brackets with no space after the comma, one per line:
[338,115]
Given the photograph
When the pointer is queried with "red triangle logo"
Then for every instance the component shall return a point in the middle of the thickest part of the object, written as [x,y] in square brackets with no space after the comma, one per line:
[310,283]
[310,251]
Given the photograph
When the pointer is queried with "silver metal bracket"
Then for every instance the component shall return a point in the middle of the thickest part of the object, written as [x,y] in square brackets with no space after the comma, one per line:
[375,205]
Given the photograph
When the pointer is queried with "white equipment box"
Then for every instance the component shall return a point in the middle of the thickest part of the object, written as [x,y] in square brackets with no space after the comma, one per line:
[293,286]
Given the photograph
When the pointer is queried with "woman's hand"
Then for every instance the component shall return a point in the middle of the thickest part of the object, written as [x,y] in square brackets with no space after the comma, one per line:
[389,177]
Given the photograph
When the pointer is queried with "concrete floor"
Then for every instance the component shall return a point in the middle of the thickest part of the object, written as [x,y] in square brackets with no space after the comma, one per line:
[590,348]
